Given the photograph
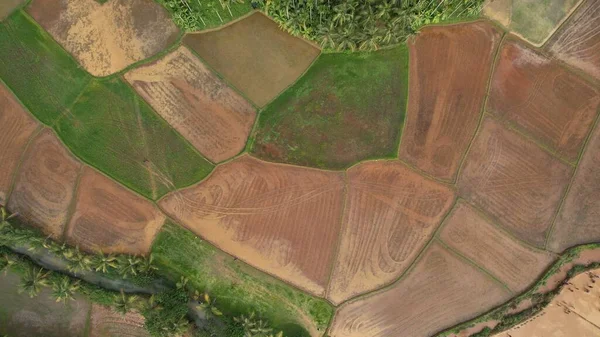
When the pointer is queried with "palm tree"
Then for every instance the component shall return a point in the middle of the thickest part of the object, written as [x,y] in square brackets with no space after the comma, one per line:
[146,264]
[64,288]
[208,307]
[124,303]
[33,281]
[6,261]
[103,263]
[4,217]
[127,265]
[78,261]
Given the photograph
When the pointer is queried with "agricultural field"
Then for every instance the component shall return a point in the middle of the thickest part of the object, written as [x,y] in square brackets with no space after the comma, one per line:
[45,184]
[282,219]
[254,50]
[578,42]
[449,70]
[195,102]
[8,6]
[543,98]
[346,108]
[517,183]
[105,322]
[390,215]
[106,37]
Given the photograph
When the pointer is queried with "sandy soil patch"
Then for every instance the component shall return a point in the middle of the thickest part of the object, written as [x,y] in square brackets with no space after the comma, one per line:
[449,68]
[512,262]
[7,6]
[579,218]
[105,322]
[390,214]
[16,127]
[255,55]
[541,97]
[514,181]
[281,219]
[106,38]
[498,10]
[45,185]
[578,43]
[198,104]
[442,290]
[111,218]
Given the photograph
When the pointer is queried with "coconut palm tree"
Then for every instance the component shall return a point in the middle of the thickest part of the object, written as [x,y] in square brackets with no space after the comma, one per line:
[77,260]
[33,281]
[124,303]
[127,265]
[208,307]
[7,261]
[103,263]
[64,288]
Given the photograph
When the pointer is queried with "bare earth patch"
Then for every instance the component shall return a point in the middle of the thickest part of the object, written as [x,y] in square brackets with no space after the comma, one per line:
[45,184]
[105,322]
[16,127]
[513,180]
[111,218]
[390,214]
[106,38]
[512,262]
[255,55]
[198,104]
[449,68]
[543,98]
[498,10]
[7,6]
[279,218]
[442,290]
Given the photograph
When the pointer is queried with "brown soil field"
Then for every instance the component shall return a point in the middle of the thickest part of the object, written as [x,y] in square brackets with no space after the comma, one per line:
[105,322]
[45,185]
[449,69]
[7,7]
[513,263]
[514,181]
[106,38]
[543,98]
[441,291]
[110,218]
[282,219]
[579,218]
[16,128]
[255,50]
[391,212]
[198,104]
[498,10]
[575,311]
[578,42]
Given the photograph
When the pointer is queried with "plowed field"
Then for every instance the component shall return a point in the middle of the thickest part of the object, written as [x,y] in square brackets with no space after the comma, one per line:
[390,214]
[16,128]
[513,263]
[282,219]
[541,97]
[579,218]
[198,104]
[255,56]
[106,38]
[105,322]
[513,180]
[111,218]
[578,43]
[449,70]
[45,185]
[442,290]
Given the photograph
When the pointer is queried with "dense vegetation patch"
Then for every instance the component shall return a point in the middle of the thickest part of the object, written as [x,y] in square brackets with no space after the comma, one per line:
[194,15]
[116,131]
[44,77]
[346,108]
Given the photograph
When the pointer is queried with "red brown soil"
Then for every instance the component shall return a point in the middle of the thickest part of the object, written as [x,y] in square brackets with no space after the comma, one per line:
[209,114]
[45,185]
[578,42]
[449,70]
[105,322]
[541,97]
[579,218]
[110,218]
[512,262]
[16,128]
[7,7]
[282,219]
[106,38]
[514,181]
[441,291]
[391,212]
[255,55]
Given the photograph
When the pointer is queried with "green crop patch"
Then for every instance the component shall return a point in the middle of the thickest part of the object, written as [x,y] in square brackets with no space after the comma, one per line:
[113,129]
[238,288]
[536,20]
[346,108]
[42,74]
[195,15]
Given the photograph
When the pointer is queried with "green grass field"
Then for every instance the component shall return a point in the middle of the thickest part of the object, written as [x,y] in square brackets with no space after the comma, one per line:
[238,288]
[44,77]
[113,129]
[346,108]
[536,19]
